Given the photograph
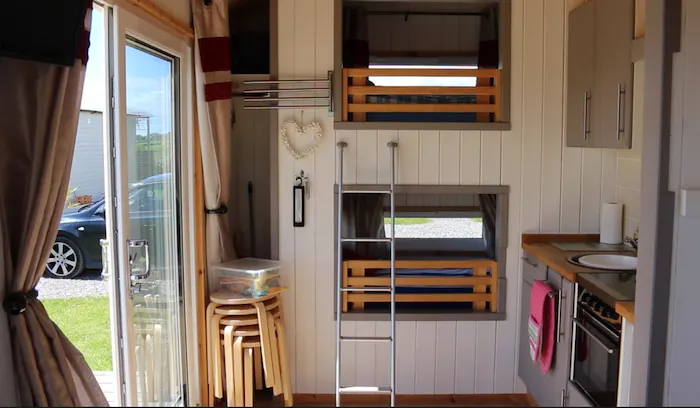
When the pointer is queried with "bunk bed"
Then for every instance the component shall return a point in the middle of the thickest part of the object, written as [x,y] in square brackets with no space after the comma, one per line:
[364,102]
[473,281]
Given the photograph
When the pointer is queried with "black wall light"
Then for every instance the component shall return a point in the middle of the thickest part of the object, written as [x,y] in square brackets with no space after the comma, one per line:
[301,191]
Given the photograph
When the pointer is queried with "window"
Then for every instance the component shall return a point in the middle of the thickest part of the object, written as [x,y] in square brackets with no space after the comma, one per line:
[422,80]
[444,231]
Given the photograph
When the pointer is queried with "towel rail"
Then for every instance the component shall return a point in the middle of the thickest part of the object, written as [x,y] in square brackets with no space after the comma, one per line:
[259,96]
[559,296]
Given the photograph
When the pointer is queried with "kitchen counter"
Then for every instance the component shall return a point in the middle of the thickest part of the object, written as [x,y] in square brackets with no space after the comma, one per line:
[626,310]
[540,246]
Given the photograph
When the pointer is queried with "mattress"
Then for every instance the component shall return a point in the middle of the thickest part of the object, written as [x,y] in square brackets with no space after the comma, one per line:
[430,272]
[426,272]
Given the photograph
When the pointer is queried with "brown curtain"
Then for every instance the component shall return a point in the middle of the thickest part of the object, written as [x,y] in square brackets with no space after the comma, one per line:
[489,207]
[215,119]
[488,38]
[355,37]
[40,105]
[363,217]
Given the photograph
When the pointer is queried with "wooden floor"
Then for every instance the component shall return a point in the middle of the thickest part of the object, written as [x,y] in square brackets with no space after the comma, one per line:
[328,400]
[108,384]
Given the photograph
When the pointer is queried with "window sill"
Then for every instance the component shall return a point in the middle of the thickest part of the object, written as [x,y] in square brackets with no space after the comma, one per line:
[490,126]
[422,316]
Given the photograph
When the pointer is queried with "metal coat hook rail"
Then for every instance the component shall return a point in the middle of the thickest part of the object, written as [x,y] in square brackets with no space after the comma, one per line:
[288,94]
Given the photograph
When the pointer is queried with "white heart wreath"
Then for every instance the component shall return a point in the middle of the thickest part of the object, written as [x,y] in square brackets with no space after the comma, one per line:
[318,135]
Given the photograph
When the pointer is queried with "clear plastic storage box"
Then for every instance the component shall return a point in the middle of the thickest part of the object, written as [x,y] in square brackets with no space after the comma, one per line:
[248,277]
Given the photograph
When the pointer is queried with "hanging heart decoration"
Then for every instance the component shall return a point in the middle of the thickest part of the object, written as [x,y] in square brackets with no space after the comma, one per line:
[314,127]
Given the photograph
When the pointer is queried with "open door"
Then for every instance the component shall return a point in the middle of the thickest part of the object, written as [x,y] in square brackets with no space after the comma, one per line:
[147,223]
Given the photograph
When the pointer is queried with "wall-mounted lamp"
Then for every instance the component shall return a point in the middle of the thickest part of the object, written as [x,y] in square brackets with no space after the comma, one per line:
[301,191]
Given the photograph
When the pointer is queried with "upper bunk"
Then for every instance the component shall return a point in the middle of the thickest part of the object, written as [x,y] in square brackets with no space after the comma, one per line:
[423,62]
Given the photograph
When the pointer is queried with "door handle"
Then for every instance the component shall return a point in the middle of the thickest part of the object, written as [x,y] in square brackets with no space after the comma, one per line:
[560,295]
[620,125]
[586,99]
[139,243]
[592,335]
[562,401]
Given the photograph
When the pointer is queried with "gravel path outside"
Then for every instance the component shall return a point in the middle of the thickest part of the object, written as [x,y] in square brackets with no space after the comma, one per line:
[439,228]
[90,283]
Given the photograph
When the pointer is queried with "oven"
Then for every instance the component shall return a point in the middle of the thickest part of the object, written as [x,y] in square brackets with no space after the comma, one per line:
[595,356]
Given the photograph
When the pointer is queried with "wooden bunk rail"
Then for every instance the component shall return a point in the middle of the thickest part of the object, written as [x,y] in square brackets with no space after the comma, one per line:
[356,90]
[383,281]
[420,297]
[485,286]
[422,264]
[422,90]
[422,72]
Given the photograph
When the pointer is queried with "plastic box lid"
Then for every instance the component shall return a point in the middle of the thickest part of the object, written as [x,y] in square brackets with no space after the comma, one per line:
[248,265]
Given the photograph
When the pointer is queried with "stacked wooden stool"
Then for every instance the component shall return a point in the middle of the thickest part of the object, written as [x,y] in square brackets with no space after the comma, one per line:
[247,348]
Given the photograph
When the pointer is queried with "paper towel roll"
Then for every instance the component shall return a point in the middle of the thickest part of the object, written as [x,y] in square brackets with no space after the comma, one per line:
[611,223]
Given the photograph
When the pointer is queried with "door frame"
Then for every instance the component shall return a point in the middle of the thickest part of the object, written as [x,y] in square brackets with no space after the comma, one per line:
[160,37]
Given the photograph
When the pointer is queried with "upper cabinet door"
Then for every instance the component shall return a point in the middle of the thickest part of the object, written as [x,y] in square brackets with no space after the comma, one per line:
[581,76]
[612,96]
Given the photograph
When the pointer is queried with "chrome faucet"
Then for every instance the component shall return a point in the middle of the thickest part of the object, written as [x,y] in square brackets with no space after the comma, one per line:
[633,240]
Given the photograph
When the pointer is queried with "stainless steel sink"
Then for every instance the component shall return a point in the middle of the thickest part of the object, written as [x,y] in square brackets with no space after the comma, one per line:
[612,262]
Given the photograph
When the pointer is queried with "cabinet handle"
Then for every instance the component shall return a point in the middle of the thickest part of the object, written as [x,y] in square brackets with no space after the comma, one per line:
[529,262]
[586,98]
[563,398]
[559,297]
[620,124]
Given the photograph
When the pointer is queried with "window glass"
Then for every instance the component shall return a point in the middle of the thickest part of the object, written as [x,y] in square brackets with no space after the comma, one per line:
[435,225]
[422,80]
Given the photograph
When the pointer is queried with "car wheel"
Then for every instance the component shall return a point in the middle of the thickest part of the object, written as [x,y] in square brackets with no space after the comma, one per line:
[65,260]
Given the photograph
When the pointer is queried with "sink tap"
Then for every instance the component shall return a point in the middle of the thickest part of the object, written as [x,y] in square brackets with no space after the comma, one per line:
[633,241]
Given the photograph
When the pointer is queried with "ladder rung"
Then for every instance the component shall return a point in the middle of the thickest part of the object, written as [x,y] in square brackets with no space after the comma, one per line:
[365,390]
[367,240]
[361,338]
[366,191]
[354,189]
[366,290]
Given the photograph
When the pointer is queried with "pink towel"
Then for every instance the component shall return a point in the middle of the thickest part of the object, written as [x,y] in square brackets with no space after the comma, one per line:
[541,325]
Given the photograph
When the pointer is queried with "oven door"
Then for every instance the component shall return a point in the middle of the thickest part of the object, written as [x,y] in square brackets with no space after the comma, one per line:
[595,360]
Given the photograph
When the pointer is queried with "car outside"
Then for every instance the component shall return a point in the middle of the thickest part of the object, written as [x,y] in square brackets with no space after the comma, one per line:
[77,246]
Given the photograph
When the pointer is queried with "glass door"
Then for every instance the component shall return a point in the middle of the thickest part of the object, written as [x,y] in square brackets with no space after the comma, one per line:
[147,198]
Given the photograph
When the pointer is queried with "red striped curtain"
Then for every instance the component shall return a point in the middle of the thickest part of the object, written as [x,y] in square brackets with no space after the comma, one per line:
[214,110]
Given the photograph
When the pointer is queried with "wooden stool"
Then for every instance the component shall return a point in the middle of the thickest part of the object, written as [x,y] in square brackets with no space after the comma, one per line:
[218,312]
[241,340]
[252,336]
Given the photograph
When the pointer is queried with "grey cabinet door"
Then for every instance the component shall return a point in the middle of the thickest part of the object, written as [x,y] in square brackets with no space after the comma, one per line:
[562,362]
[576,398]
[611,119]
[581,76]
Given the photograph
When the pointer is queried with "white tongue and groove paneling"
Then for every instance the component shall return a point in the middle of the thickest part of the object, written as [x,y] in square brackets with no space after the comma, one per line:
[553,189]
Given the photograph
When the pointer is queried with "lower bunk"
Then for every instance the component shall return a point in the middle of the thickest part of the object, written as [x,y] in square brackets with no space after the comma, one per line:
[470,284]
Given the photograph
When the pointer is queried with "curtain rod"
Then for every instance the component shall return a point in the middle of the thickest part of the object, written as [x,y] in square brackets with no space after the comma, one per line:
[423,13]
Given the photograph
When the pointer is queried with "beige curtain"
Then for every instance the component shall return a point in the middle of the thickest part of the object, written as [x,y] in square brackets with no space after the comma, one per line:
[213,76]
[40,105]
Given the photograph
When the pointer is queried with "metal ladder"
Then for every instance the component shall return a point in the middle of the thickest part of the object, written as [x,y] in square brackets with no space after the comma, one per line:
[342,190]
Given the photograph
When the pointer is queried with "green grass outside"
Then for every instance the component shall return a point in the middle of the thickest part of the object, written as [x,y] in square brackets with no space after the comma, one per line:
[85,321]
[408,221]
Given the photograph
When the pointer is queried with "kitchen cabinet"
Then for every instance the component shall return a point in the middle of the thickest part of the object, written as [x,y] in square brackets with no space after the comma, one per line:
[600,74]
[576,398]
[548,389]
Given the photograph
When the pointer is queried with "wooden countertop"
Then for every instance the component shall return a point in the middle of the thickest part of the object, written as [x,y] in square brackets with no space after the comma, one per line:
[626,310]
[540,247]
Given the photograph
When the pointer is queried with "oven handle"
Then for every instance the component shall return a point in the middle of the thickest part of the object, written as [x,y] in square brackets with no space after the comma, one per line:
[580,325]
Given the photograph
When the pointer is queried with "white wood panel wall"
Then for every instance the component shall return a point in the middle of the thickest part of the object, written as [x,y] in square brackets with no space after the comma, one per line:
[250,152]
[553,189]
[421,32]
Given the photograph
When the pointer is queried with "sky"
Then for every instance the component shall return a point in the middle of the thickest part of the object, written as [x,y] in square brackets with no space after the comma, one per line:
[148,80]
